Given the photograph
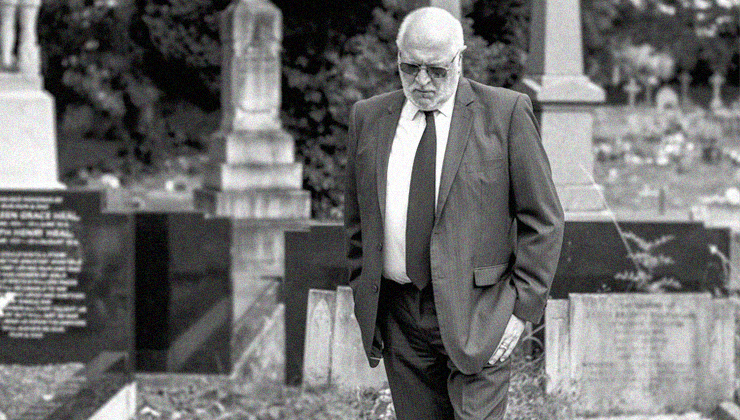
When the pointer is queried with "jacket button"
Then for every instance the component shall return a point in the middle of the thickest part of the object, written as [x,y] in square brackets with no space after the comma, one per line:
[380,247]
[374,287]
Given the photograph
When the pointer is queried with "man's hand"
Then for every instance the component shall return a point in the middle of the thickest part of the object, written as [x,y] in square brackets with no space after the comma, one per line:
[513,331]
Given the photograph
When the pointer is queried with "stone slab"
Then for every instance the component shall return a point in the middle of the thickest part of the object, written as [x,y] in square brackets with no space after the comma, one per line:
[28,149]
[263,361]
[319,331]
[642,353]
[727,411]
[593,252]
[579,199]
[349,366]
[567,137]
[253,176]
[183,293]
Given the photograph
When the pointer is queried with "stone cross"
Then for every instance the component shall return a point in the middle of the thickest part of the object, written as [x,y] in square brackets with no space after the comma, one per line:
[632,89]
[28,59]
[717,80]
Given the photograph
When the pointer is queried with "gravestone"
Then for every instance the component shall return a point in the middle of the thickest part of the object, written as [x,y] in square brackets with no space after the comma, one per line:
[565,98]
[593,252]
[315,258]
[185,301]
[717,80]
[252,177]
[319,331]
[632,88]
[334,354]
[667,100]
[66,286]
[641,353]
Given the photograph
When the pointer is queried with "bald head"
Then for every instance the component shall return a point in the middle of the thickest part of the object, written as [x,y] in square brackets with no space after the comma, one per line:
[431,27]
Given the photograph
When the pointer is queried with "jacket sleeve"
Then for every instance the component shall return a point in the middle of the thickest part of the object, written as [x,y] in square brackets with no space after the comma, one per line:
[538,213]
[352,221]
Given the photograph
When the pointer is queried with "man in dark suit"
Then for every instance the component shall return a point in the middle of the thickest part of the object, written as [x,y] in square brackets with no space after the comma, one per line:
[453,224]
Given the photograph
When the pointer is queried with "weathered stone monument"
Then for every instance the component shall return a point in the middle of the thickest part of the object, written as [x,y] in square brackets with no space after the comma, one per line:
[333,351]
[641,353]
[253,178]
[566,97]
[28,152]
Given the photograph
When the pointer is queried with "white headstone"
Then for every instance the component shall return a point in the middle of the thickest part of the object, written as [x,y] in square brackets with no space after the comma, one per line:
[641,353]
[666,100]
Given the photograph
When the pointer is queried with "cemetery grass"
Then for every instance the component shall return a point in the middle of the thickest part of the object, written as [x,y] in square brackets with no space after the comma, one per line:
[207,397]
[631,189]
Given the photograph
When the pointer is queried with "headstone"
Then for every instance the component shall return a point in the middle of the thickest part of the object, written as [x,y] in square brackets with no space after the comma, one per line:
[565,96]
[333,353]
[666,100]
[641,353]
[349,365]
[319,330]
[717,80]
[315,258]
[632,90]
[593,252]
[252,177]
[66,282]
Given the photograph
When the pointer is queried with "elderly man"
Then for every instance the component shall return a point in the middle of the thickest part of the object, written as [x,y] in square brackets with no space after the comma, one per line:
[453,224]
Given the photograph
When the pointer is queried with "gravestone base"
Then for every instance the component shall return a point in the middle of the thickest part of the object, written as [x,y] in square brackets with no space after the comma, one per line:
[255,204]
[641,353]
[28,151]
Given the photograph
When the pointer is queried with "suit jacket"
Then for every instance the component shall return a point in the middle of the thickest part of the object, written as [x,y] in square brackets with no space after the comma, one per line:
[498,225]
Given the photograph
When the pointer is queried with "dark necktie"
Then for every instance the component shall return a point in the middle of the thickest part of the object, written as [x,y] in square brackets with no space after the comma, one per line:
[420,216]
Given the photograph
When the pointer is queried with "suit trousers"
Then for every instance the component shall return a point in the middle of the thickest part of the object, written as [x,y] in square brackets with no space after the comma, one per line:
[424,383]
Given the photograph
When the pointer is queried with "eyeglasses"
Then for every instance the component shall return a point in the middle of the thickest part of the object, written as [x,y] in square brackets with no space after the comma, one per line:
[435,72]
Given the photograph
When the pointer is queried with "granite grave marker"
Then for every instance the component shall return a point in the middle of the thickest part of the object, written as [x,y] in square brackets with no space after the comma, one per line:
[66,291]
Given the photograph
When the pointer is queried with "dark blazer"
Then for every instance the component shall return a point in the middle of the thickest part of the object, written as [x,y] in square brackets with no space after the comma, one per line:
[498,227]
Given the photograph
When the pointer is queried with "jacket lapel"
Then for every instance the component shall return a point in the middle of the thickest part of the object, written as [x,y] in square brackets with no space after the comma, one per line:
[386,130]
[462,118]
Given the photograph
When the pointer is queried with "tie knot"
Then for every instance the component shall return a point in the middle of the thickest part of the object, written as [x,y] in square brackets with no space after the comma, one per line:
[429,115]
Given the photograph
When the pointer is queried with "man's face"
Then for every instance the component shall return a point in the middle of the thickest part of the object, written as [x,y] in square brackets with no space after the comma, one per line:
[427,89]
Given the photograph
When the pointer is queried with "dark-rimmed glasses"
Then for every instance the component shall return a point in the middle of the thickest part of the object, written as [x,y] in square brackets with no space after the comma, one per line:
[435,72]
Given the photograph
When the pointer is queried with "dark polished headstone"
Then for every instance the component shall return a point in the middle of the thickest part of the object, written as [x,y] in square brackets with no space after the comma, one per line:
[183,293]
[593,252]
[66,294]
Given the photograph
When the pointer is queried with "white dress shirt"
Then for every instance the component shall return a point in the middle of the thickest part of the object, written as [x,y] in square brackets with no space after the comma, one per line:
[411,126]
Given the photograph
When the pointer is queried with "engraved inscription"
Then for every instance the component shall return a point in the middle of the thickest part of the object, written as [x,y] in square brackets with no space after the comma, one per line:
[40,265]
[637,352]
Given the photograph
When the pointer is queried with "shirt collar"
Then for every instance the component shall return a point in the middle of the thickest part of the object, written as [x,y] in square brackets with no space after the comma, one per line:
[410,110]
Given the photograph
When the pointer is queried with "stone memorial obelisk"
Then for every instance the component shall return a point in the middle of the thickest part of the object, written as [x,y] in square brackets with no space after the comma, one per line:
[28,149]
[253,177]
[566,97]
